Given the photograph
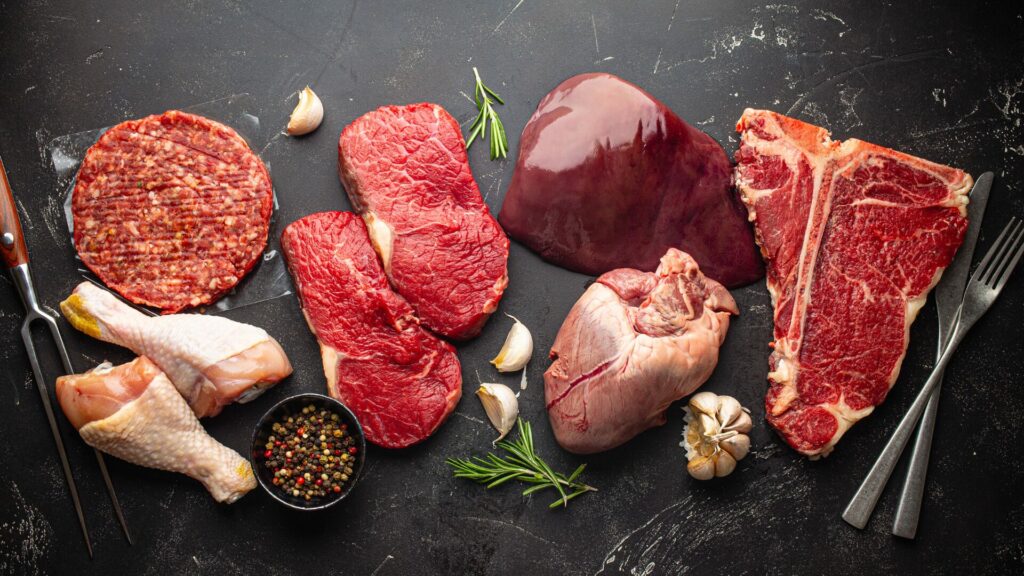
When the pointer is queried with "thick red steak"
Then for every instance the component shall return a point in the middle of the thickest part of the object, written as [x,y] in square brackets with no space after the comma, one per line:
[401,381]
[406,172]
[171,211]
[855,236]
[609,177]
[634,343]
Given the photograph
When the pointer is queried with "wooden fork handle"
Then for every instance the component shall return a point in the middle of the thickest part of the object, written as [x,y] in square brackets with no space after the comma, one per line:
[12,241]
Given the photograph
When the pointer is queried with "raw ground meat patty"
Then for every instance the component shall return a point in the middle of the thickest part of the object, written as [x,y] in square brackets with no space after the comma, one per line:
[171,210]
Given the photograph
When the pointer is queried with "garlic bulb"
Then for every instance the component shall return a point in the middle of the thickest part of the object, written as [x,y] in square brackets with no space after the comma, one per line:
[308,114]
[715,436]
[501,405]
[516,351]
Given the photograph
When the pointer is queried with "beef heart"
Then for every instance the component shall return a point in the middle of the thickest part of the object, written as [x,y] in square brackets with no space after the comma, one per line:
[634,343]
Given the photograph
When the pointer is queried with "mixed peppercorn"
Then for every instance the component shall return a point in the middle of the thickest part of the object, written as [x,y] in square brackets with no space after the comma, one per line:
[311,454]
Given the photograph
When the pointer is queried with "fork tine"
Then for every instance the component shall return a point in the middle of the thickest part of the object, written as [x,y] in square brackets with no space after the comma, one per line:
[1005,252]
[983,269]
[1016,252]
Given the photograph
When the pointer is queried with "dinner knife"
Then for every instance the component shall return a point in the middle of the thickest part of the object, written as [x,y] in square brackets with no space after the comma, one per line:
[948,296]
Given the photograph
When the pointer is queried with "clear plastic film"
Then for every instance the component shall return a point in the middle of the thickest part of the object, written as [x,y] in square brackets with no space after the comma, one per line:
[269,277]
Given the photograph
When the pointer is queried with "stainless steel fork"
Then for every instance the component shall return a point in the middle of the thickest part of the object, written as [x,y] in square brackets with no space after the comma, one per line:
[985,285]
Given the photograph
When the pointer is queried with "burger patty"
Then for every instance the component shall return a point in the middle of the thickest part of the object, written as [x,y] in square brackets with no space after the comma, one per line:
[171,210]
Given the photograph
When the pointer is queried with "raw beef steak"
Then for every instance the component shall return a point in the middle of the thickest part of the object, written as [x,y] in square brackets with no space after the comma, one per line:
[634,343]
[172,210]
[406,172]
[401,381]
[855,236]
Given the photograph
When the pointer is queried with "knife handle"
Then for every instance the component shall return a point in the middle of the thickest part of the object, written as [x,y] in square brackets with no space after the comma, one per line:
[12,241]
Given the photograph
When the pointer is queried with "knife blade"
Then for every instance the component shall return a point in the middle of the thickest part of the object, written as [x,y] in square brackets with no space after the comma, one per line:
[948,295]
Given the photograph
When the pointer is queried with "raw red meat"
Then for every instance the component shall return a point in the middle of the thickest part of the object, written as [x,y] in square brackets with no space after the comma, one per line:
[401,381]
[855,236]
[406,172]
[172,210]
[608,177]
[634,343]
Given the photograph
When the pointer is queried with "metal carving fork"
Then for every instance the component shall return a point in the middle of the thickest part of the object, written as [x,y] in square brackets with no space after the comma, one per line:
[14,254]
[984,286]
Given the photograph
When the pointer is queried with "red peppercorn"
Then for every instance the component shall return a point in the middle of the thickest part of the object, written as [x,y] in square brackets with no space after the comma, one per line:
[352,450]
[337,488]
[268,454]
[300,481]
[319,482]
[344,426]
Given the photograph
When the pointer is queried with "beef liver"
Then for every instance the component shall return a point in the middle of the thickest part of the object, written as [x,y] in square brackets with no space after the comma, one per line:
[406,172]
[608,177]
[401,381]
[855,236]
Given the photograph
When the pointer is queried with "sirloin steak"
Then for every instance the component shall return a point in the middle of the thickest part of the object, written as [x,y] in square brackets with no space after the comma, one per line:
[401,381]
[855,236]
[406,172]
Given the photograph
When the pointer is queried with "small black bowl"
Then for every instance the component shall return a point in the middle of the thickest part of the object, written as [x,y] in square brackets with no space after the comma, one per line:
[292,406]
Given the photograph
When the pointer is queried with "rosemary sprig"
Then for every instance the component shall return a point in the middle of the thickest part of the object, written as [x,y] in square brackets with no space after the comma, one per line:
[484,103]
[523,465]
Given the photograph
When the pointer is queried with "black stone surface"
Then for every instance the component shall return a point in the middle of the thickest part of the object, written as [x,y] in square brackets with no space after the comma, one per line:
[941,80]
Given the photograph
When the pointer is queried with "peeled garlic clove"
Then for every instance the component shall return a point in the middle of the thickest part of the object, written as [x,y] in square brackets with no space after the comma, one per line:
[737,446]
[728,410]
[701,468]
[501,405]
[741,424]
[516,351]
[725,464]
[704,402]
[308,114]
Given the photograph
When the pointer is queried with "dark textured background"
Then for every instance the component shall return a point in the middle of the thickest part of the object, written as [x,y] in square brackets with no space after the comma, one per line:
[944,82]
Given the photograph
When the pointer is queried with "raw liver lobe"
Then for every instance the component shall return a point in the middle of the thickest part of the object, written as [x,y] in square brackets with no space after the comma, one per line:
[401,381]
[850,262]
[608,177]
[406,166]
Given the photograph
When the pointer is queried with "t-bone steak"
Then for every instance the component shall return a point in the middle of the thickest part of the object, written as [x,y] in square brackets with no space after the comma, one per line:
[171,210]
[406,172]
[855,236]
[401,381]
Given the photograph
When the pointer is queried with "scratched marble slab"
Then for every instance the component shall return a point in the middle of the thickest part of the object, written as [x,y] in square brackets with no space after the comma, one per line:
[944,80]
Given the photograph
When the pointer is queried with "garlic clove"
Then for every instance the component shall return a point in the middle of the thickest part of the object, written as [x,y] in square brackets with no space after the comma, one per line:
[725,464]
[741,424]
[704,402]
[308,114]
[516,351]
[501,405]
[737,446]
[708,425]
[728,410]
[701,468]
